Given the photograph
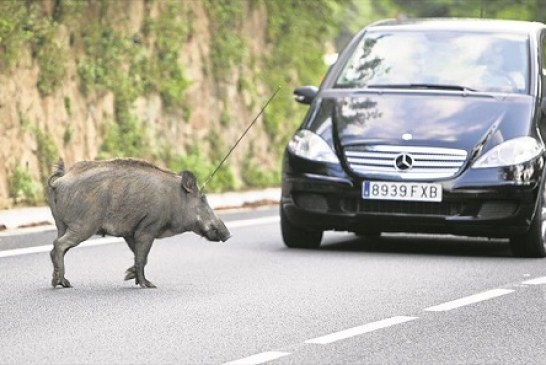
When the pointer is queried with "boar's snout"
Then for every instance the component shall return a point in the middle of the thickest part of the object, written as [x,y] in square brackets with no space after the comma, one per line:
[217,232]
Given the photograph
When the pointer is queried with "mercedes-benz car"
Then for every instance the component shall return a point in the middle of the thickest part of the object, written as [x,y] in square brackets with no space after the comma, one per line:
[427,125]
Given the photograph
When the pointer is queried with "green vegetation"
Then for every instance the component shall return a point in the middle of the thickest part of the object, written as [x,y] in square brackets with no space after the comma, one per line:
[503,9]
[123,64]
[197,162]
[22,188]
[126,138]
[106,65]
[67,135]
[48,51]
[68,105]
[165,74]
[255,176]
[46,152]
[21,28]
[298,31]
[227,47]
[14,33]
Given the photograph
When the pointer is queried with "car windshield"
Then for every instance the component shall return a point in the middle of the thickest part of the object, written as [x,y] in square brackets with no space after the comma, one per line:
[487,62]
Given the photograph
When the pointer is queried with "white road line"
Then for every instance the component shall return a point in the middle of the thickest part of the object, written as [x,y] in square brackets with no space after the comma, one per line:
[259,358]
[24,251]
[38,249]
[28,230]
[490,294]
[109,240]
[355,331]
[536,281]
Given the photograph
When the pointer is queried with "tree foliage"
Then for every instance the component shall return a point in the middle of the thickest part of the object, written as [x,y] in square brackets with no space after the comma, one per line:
[534,10]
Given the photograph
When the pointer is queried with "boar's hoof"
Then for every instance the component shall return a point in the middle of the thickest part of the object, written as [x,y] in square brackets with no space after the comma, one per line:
[130,274]
[60,281]
[146,285]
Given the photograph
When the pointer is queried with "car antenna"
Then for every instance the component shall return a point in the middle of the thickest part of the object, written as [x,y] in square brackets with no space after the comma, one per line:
[239,140]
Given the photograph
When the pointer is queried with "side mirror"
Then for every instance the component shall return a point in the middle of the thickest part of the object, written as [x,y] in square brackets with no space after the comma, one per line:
[305,94]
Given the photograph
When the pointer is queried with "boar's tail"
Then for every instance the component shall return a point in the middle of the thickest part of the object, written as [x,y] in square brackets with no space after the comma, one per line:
[59,172]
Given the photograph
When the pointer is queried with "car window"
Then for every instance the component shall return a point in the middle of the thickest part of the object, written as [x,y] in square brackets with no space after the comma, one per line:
[479,61]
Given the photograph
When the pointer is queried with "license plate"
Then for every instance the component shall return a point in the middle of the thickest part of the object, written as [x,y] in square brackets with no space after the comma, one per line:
[404,191]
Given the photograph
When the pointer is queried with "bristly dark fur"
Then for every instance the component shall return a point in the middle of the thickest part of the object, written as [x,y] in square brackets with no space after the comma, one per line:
[128,162]
[121,163]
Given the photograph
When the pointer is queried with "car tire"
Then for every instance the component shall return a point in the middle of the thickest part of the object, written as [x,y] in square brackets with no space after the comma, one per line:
[298,237]
[533,243]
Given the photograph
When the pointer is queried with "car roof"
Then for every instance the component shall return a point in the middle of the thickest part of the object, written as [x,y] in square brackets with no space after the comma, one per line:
[459,24]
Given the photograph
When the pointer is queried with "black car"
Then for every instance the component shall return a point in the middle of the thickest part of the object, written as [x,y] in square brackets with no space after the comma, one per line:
[429,125]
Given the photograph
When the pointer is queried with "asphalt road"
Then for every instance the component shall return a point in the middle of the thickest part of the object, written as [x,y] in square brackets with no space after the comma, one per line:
[392,300]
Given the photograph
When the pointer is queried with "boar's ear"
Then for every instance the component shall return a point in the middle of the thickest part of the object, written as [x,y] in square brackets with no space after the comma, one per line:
[189,182]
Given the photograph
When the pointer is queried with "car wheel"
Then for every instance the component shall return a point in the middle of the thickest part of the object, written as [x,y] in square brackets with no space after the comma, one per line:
[532,243]
[298,237]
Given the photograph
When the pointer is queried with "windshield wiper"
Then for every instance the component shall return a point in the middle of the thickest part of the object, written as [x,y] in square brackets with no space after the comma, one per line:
[422,86]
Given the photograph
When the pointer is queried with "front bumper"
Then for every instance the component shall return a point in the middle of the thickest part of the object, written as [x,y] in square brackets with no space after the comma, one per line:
[477,203]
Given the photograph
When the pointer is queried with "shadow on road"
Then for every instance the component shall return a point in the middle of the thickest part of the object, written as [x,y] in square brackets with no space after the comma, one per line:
[421,245]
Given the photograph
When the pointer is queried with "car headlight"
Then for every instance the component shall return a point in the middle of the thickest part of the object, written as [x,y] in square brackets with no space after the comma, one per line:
[309,145]
[511,152]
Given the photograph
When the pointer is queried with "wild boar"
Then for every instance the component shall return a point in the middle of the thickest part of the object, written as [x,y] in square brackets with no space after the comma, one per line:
[126,198]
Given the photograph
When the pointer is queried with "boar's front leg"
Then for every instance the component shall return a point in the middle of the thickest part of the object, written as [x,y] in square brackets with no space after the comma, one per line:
[130,273]
[143,244]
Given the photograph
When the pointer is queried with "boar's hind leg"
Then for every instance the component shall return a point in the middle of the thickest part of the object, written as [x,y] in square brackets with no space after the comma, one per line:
[143,243]
[130,273]
[60,246]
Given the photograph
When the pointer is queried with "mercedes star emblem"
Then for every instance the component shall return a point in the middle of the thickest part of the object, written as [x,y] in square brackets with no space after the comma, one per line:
[403,162]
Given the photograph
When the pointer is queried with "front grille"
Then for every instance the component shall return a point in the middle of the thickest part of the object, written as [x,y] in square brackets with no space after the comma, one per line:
[405,162]
[411,208]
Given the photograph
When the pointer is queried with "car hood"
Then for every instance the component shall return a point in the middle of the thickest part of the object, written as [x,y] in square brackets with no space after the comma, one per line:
[453,120]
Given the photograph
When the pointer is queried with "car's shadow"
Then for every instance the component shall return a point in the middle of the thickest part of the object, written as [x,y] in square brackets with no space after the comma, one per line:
[420,245]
